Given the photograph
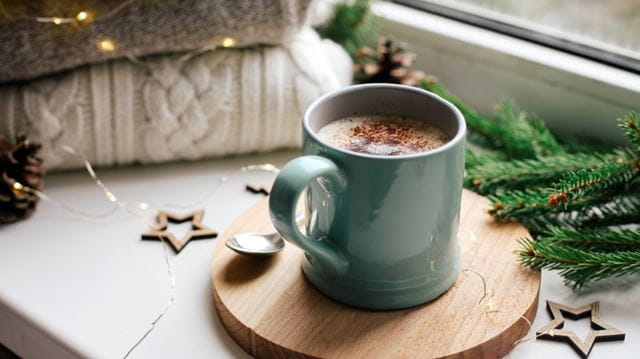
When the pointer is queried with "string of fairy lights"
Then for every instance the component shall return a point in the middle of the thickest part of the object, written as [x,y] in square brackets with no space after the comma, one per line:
[140,210]
[106,44]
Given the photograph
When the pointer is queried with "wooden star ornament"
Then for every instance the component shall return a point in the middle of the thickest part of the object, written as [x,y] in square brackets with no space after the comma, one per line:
[553,330]
[198,230]
[258,188]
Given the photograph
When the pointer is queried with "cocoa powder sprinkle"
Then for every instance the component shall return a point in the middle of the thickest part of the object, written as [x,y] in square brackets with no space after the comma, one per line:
[383,135]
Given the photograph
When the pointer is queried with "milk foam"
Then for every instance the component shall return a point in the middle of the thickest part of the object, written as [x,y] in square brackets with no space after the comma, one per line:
[383,135]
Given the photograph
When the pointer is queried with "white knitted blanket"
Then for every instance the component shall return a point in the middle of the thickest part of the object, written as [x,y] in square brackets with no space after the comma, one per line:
[228,101]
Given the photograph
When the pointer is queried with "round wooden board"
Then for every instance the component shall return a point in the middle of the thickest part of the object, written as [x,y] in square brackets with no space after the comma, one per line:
[271,310]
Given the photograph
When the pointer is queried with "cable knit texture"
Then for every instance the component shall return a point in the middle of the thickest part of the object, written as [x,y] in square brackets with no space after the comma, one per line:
[29,49]
[223,102]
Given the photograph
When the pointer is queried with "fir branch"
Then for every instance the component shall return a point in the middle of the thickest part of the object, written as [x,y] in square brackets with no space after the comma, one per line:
[575,265]
[352,25]
[595,239]
[575,191]
[630,126]
[620,210]
[491,176]
[610,177]
[529,203]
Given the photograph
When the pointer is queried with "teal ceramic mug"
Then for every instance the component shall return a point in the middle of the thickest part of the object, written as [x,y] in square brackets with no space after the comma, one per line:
[381,231]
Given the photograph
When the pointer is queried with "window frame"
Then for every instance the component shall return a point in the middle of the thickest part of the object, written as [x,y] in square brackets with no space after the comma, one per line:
[588,49]
[575,95]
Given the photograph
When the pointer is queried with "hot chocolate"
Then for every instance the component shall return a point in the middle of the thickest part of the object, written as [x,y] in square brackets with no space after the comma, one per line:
[383,135]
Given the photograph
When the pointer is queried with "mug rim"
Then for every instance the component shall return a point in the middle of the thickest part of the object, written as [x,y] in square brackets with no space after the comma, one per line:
[460,135]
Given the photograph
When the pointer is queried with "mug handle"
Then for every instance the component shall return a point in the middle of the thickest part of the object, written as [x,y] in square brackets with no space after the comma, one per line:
[283,198]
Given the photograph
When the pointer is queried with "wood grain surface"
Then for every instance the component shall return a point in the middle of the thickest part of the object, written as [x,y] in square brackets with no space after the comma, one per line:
[272,311]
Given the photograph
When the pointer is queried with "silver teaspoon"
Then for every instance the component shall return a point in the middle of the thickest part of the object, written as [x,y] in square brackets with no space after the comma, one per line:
[258,244]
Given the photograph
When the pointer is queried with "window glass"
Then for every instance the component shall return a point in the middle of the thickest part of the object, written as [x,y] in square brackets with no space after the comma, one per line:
[608,26]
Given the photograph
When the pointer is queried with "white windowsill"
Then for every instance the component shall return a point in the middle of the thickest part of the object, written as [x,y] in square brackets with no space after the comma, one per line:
[576,96]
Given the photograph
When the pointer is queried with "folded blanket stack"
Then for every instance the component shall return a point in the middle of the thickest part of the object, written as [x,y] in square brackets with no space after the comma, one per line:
[135,105]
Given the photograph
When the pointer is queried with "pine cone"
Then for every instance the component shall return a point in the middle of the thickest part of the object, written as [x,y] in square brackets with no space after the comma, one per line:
[19,167]
[390,64]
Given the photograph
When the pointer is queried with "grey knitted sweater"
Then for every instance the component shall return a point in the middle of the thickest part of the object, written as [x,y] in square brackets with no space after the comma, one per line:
[29,49]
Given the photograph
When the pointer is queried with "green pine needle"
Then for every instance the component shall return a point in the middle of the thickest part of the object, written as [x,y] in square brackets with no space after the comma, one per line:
[529,203]
[578,190]
[577,266]
[594,239]
[491,176]
[614,175]
[619,210]
[630,126]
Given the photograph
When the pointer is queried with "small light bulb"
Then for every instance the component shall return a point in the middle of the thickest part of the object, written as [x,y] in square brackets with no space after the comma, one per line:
[82,15]
[228,42]
[144,206]
[111,197]
[17,188]
[57,20]
[107,45]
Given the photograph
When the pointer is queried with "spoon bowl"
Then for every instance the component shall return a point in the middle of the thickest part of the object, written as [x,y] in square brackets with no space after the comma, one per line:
[256,244]
[259,244]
